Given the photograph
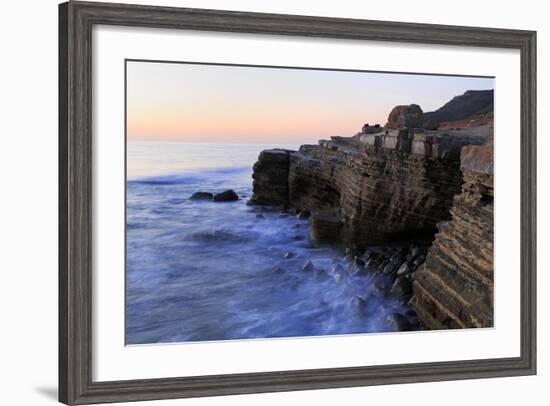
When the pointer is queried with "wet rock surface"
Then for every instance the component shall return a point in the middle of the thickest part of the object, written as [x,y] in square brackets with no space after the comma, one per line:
[201,196]
[226,196]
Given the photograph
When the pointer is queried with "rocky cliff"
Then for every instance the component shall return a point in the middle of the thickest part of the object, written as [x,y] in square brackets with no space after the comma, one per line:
[370,188]
[400,183]
[454,286]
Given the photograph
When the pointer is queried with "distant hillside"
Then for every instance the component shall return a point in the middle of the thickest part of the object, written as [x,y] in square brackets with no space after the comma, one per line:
[473,102]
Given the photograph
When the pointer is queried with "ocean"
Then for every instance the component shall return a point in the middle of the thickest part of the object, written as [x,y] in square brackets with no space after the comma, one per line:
[209,271]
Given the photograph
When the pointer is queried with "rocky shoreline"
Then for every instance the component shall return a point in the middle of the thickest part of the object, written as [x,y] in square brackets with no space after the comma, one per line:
[411,202]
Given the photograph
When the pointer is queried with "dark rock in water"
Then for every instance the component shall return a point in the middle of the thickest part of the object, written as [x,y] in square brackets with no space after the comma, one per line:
[359,304]
[283,216]
[404,269]
[298,238]
[389,268]
[288,255]
[260,216]
[358,262]
[308,267]
[398,322]
[357,270]
[402,286]
[295,226]
[338,277]
[278,270]
[320,274]
[201,196]
[226,196]
[303,215]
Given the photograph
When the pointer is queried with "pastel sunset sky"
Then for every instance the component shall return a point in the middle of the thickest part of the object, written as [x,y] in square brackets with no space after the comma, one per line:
[209,103]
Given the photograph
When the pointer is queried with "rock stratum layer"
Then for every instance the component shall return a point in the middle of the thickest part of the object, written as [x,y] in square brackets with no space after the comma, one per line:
[401,183]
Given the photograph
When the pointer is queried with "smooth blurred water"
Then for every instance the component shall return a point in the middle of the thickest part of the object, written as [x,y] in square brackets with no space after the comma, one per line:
[201,270]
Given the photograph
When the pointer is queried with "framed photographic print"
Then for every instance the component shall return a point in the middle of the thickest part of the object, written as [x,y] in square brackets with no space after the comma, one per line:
[258,202]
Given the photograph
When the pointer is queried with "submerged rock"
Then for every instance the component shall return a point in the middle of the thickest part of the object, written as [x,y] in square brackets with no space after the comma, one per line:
[357,269]
[226,196]
[402,286]
[201,196]
[320,274]
[359,304]
[260,216]
[308,267]
[338,277]
[303,215]
[288,255]
[398,322]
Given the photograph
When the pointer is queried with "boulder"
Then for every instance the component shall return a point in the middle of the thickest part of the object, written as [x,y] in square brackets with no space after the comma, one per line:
[226,196]
[402,286]
[201,196]
[410,116]
[308,267]
[404,269]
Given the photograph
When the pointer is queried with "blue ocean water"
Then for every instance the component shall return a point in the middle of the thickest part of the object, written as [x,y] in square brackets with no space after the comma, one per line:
[203,271]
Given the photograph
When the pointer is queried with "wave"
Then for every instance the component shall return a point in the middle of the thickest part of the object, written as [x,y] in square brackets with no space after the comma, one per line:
[191,177]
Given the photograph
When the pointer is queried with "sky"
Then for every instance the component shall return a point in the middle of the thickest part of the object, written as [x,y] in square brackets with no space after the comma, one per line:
[213,103]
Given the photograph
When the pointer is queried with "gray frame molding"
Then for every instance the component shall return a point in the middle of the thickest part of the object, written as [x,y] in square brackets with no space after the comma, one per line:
[75,191]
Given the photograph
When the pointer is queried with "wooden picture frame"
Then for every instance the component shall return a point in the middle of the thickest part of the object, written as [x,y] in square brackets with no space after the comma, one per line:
[76,20]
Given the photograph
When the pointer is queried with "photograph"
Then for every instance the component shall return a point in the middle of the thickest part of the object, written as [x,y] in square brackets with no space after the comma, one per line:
[268,202]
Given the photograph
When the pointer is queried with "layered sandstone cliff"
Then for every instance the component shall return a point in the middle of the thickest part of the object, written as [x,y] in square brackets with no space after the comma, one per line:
[454,286]
[401,183]
[370,188]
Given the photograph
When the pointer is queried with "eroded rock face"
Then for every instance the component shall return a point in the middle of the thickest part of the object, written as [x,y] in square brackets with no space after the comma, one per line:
[270,176]
[454,286]
[377,187]
[410,116]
